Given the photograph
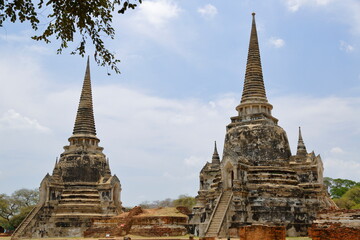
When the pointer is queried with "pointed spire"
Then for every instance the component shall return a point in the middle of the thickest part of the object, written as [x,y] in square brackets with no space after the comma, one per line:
[215,157]
[85,123]
[254,105]
[254,84]
[107,170]
[56,172]
[301,149]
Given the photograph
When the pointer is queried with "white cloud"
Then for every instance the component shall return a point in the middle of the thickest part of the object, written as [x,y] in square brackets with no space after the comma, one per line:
[157,13]
[346,11]
[341,168]
[157,21]
[277,42]
[208,11]
[344,46]
[14,120]
[336,150]
[295,5]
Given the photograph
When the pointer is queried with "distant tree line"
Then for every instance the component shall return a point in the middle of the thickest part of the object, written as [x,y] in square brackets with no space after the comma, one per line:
[182,200]
[14,208]
[344,192]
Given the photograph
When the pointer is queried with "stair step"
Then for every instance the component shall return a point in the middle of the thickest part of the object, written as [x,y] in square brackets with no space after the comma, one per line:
[218,215]
[79,200]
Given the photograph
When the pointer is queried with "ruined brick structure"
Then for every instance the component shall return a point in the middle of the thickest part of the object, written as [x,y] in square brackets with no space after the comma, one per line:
[81,186]
[336,224]
[160,222]
[258,181]
[261,232]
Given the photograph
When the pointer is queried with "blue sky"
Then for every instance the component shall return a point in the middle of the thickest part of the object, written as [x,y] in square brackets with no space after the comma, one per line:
[183,66]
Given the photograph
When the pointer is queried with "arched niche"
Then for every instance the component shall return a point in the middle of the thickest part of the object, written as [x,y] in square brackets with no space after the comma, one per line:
[228,173]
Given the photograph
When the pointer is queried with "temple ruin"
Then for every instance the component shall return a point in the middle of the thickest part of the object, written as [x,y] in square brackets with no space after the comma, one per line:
[258,181]
[81,187]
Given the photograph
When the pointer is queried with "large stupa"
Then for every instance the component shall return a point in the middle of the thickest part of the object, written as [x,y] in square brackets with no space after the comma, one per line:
[258,180]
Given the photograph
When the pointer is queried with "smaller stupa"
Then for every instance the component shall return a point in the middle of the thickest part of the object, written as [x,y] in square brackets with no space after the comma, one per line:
[81,187]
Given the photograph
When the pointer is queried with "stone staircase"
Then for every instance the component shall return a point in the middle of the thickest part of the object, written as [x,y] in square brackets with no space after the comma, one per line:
[71,214]
[25,223]
[219,214]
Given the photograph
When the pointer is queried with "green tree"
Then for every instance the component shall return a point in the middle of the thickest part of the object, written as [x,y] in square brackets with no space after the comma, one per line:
[327,182]
[338,187]
[67,20]
[344,203]
[353,194]
[168,202]
[185,201]
[182,200]
[18,218]
[350,200]
[14,208]
[7,208]
[357,206]
[25,197]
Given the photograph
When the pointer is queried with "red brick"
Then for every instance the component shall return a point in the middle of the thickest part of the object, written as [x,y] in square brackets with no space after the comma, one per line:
[262,232]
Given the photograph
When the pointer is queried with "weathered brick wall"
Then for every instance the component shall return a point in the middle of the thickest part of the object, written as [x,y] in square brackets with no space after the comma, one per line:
[262,232]
[156,220]
[159,226]
[134,223]
[333,232]
[336,224]
[115,226]
[158,230]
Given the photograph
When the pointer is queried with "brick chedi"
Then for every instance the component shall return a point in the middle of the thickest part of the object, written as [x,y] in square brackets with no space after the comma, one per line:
[258,181]
[81,187]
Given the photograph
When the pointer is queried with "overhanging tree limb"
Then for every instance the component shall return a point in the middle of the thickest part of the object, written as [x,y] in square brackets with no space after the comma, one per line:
[69,19]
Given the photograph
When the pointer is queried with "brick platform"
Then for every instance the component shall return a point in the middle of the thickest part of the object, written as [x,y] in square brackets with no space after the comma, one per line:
[336,225]
[262,232]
